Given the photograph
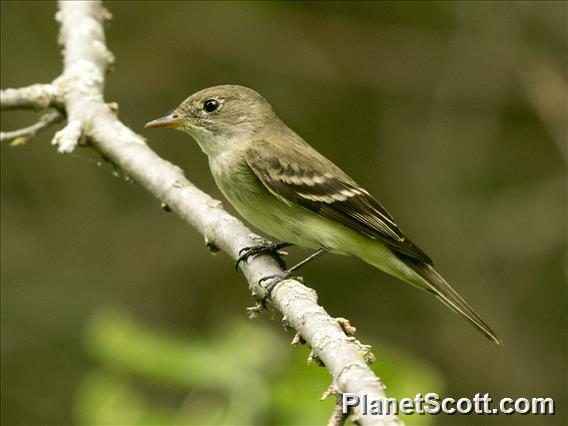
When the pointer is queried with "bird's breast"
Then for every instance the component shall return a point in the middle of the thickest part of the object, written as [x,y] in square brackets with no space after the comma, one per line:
[257,205]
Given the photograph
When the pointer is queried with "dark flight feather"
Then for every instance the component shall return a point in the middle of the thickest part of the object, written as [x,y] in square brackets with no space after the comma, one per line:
[447,295]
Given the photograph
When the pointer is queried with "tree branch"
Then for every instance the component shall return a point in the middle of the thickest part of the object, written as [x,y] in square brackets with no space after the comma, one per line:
[29,132]
[36,96]
[86,60]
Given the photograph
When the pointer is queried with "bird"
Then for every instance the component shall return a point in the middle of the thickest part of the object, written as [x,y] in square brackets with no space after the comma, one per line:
[288,190]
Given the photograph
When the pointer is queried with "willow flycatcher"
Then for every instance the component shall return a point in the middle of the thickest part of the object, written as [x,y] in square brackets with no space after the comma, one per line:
[287,189]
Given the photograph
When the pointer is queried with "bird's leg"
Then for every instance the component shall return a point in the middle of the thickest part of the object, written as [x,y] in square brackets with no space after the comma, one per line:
[275,279]
[265,247]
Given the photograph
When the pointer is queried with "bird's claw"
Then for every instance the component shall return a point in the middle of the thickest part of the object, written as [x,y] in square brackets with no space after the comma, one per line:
[265,247]
[273,281]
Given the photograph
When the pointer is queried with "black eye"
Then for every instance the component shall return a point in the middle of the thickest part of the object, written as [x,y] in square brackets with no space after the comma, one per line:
[210,105]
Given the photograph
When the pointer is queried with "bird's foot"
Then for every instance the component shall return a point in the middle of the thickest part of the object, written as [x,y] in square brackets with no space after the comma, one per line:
[273,280]
[265,247]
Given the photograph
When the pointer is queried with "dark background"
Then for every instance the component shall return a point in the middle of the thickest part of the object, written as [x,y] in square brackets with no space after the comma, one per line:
[453,114]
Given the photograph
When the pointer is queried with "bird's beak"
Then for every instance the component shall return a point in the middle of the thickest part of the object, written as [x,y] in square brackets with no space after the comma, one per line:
[167,121]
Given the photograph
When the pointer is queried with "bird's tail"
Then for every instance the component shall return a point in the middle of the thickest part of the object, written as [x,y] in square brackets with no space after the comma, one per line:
[437,285]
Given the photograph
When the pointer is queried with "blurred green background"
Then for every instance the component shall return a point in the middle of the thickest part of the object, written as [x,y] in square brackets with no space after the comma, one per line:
[453,114]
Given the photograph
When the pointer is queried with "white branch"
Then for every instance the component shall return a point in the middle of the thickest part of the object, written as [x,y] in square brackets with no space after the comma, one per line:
[86,59]
[23,135]
[68,137]
[36,96]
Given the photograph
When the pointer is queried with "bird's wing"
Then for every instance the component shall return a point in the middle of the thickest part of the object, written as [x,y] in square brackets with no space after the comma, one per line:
[302,176]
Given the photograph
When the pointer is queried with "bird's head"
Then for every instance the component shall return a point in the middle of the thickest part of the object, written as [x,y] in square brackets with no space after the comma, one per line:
[220,115]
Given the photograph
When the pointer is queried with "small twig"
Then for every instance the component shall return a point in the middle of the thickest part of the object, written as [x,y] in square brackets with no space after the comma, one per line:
[68,137]
[313,357]
[297,339]
[21,136]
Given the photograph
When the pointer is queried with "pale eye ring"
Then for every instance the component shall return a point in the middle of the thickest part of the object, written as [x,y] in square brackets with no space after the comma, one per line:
[210,105]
